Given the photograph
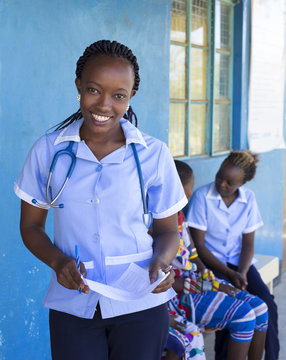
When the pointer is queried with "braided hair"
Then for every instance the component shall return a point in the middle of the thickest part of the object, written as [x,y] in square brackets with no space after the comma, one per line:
[246,160]
[105,48]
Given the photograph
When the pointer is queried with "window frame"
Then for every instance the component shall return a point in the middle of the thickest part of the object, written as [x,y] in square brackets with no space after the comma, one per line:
[210,114]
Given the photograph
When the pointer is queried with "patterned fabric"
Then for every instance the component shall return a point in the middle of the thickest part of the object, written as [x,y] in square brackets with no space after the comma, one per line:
[210,309]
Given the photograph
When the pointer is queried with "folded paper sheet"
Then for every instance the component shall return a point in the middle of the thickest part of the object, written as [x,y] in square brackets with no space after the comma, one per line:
[132,285]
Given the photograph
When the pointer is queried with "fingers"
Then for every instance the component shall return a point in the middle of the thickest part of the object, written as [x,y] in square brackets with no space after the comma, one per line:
[69,276]
[166,284]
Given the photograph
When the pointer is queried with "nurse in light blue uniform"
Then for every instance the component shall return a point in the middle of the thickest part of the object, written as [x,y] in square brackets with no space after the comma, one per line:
[101,212]
[223,217]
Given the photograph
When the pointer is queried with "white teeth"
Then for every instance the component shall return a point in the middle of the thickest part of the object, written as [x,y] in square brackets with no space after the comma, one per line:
[100,118]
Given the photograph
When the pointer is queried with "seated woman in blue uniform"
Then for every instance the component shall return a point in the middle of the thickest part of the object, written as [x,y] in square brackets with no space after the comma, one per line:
[223,217]
[209,303]
[100,213]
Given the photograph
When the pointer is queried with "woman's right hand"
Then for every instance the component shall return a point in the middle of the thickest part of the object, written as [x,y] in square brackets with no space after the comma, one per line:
[69,276]
[176,324]
[237,279]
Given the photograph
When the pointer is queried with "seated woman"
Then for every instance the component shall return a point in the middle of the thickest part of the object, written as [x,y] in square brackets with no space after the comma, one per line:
[209,303]
[223,217]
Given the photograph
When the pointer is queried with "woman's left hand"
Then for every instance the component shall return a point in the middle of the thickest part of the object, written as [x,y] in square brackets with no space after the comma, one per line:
[156,264]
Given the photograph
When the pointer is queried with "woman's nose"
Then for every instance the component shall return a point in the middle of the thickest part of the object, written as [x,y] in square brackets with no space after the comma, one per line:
[104,102]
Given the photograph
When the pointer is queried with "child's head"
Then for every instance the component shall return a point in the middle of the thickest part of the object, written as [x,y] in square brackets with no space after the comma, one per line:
[238,168]
[98,56]
[187,177]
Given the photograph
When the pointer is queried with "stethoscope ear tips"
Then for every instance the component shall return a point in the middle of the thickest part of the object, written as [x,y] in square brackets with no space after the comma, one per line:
[148,219]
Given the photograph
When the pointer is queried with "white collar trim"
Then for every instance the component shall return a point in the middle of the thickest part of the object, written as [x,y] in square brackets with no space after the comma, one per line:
[214,195]
[71,133]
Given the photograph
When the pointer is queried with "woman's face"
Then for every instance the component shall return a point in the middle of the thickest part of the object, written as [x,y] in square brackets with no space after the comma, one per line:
[228,179]
[105,88]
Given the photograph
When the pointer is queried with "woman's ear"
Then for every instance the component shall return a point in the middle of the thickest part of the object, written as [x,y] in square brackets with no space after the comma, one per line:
[77,84]
[133,92]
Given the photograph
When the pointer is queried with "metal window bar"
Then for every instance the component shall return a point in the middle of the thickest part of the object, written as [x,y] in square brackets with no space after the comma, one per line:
[211,101]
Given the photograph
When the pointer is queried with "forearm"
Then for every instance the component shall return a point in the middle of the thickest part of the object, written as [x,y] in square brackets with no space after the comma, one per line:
[211,261]
[246,254]
[38,242]
[166,245]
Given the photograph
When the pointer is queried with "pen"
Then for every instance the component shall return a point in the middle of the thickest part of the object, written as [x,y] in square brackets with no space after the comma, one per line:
[77,263]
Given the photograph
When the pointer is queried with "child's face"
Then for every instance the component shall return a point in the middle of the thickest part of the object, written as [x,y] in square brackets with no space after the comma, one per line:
[105,87]
[188,187]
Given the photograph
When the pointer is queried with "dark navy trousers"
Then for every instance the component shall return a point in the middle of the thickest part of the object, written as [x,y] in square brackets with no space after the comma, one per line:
[256,287]
[141,336]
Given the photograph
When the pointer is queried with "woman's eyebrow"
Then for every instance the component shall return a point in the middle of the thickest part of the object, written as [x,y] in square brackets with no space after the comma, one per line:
[94,82]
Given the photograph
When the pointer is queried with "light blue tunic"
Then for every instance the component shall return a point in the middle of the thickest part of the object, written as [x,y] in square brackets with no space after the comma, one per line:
[223,225]
[102,211]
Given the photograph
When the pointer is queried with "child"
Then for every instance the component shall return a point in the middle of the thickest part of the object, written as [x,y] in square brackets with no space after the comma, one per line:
[99,212]
[223,217]
[243,314]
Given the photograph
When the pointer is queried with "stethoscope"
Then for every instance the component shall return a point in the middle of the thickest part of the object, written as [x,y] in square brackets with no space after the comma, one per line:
[147,215]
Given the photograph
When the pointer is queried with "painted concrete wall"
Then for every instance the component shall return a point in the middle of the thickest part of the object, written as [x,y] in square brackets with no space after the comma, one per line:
[40,42]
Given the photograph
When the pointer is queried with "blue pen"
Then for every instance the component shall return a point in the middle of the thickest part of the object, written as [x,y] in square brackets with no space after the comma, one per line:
[77,263]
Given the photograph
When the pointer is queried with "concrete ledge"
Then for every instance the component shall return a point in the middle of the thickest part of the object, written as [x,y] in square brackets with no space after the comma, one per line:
[268,268]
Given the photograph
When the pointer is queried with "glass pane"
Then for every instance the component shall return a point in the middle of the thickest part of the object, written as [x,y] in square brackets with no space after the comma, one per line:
[221,127]
[178,72]
[223,23]
[199,22]
[179,20]
[198,73]
[221,76]
[177,129]
[198,129]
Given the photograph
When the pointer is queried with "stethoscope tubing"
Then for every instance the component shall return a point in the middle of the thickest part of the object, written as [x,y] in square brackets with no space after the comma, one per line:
[147,216]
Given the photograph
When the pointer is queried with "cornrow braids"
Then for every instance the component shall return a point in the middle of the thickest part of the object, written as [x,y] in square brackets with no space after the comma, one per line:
[246,160]
[105,48]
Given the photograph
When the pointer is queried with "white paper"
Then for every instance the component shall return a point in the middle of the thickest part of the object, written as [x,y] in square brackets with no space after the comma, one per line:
[133,284]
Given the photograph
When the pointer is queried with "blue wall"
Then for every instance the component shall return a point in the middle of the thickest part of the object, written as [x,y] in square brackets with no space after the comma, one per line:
[40,42]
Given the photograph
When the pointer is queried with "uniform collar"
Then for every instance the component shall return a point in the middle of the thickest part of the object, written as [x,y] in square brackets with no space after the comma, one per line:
[214,195]
[71,133]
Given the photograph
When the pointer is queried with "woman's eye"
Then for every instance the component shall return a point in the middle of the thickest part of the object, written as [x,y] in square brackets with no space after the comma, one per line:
[120,96]
[92,90]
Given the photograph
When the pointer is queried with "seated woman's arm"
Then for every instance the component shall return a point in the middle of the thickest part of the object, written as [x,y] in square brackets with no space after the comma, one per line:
[246,255]
[213,262]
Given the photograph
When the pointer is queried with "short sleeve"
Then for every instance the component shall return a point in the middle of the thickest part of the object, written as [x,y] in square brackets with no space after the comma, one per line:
[254,220]
[166,195]
[32,181]
[197,212]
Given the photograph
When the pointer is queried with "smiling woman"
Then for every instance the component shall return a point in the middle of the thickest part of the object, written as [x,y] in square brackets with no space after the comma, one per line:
[101,215]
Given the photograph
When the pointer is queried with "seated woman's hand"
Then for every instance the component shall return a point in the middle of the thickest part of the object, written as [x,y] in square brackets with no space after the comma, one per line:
[228,289]
[237,279]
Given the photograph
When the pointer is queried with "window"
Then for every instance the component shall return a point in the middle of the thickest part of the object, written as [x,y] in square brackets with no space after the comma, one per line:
[200,77]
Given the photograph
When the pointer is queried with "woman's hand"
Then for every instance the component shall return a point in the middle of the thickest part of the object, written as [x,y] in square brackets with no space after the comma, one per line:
[237,279]
[69,276]
[176,324]
[228,289]
[158,263]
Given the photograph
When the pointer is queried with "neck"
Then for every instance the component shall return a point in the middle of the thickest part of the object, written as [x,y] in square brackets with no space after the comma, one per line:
[114,135]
